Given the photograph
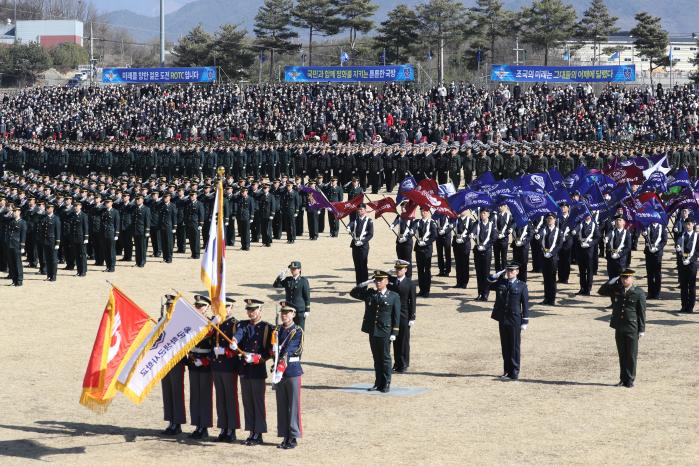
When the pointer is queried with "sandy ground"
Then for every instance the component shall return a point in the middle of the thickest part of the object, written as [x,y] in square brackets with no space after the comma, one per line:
[564,409]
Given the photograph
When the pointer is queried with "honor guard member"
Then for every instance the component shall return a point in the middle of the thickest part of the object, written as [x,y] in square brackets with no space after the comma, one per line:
[362,231]
[461,243]
[551,239]
[298,292]
[628,320]
[618,242]
[402,226]
[50,241]
[194,222]
[687,253]
[173,388]
[678,228]
[405,288]
[537,254]
[424,231]
[78,237]
[443,242]
[253,338]
[503,227]
[141,230]
[110,234]
[381,321]
[287,378]
[566,250]
[521,239]
[16,236]
[483,233]
[586,236]
[511,310]
[200,378]
[225,366]
[656,237]
[168,227]
[353,190]
[246,215]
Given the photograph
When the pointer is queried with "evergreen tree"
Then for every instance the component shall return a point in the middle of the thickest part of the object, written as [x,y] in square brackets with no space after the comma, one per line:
[651,41]
[695,61]
[194,48]
[233,55]
[441,21]
[398,34]
[547,24]
[596,25]
[490,21]
[273,29]
[319,16]
[355,15]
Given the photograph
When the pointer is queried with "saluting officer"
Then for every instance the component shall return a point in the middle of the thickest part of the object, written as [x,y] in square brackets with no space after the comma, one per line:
[618,242]
[503,227]
[287,378]
[443,242]
[200,379]
[246,214]
[110,233]
[382,323]
[402,226]
[586,235]
[511,310]
[521,239]
[253,337]
[425,232]
[172,384]
[362,231]
[403,285]
[334,193]
[168,227]
[483,234]
[298,292]
[225,366]
[656,238]
[687,253]
[628,320]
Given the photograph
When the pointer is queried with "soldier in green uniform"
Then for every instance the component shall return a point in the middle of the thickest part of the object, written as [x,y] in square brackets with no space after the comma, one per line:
[629,321]
[298,292]
[381,322]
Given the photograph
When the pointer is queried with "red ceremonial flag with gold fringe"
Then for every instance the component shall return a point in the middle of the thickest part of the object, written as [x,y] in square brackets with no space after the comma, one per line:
[382,206]
[122,329]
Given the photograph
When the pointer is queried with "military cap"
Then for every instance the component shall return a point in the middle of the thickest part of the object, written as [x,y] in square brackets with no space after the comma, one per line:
[550,214]
[361,206]
[563,203]
[201,300]
[627,272]
[167,194]
[138,196]
[295,265]
[485,209]
[333,178]
[192,193]
[107,199]
[169,298]
[690,219]
[289,183]
[16,208]
[286,307]
[354,178]
[251,303]
[379,275]
[512,265]
[50,206]
[621,216]
[401,264]
[229,300]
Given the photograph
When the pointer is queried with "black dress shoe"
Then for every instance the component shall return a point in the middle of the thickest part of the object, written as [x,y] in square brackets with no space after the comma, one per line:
[284,443]
[197,434]
[620,384]
[222,437]
[629,385]
[372,389]
[249,439]
[257,440]
[291,444]
[386,388]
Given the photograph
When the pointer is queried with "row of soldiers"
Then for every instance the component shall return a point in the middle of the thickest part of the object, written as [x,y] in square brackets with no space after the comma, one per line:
[375,166]
[100,218]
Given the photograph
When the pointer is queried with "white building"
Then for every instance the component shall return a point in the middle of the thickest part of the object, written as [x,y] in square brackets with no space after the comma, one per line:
[47,33]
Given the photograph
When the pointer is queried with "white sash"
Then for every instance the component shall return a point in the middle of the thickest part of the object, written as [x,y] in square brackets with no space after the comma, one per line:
[426,236]
[524,233]
[553,243]
[589,237]
[478,233]
[507,221]
[694,245]
[407,229]
[361,236]
[621,243]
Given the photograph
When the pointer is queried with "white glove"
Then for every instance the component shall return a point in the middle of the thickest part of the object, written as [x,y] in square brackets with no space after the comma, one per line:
[271,217]
[499,274]
[394,226]
[678,249]
[653,249]
[297,214]
[411,323]
[233,345]
[277,377]
[685,262]
[518,243]
[359,243]
[641,334]
[147,235]
[21,251]
[547,255]
[585,244]
[307,314]
[501,235]
[366,283]
[613,280]
[472,236]
[199,227]
[174,231]
[56,247]
[615,255]
[197,363]
[442,232]
[481,248]
[116,238]
[402,239]
[392,338]
[85,242]
[421,243]
[349,230]
[537,236]
[459,240]
[216,320]
[523,327]
[219,351]
[606,240]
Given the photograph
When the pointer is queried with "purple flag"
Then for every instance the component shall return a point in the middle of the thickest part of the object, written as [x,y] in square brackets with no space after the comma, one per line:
[318,201]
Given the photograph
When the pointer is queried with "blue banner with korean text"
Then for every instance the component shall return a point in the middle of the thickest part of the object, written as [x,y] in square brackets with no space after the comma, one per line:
[302,74]
[205,74]
[563,74]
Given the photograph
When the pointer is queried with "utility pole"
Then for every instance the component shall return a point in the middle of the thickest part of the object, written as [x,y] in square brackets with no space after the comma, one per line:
[517,50]
[162,32]
[92,54]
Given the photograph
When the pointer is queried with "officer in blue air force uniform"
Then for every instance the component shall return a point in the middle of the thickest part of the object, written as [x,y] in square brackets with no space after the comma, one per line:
[381,321]
[287,378]
[511,310]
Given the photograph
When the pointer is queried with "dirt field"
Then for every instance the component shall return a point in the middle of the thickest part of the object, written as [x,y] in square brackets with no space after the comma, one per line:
[564,409]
